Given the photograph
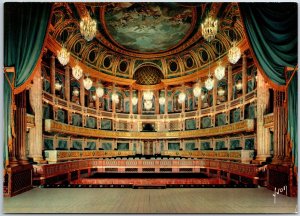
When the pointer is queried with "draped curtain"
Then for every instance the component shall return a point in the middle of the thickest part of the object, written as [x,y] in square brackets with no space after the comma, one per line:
[272,30]
[25,26]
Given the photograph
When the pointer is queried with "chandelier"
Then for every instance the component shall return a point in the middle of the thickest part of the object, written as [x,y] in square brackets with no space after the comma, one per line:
[63,56]
[181,97]
[221,91]
[87,83]
[234,53]
[58,85]
[115,97]
[148,95]
[197,90]
[209,83]
[99,91]
[203,96]
[88,28]
[94,97]
[77,71]
[75,91]
[134,100]
[239,85]
[162,100]
[220,71]
[209,28]
[148,104]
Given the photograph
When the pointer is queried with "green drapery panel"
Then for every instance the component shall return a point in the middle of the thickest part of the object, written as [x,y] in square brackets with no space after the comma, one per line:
[234,144]
[77,144]
[107,146]
[91,145]
[91,122]
[106,124]
[48,144]
[189,146]
[220,144]
[62,144]
[249,144]
[293,116]
[173,146]
[123,146]
[61,116]
[272,32]
[190,124]
[25,26]
[205,145]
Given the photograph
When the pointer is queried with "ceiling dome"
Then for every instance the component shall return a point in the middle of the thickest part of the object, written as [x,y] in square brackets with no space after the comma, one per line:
[148,75]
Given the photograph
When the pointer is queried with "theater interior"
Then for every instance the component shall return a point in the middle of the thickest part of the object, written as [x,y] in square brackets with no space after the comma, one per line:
[162,95]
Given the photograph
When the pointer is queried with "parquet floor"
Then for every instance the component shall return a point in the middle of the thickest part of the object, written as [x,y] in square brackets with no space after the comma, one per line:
[171,200]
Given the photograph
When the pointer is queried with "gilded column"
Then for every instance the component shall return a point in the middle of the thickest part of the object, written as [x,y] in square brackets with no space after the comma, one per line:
[82,92]
[263,148]
[279,127]
[130,102]
[21,127]
[215,96]
[52,75]
[244,74]
[67,83]
[166,101]
[140,102]
[229,83]
[36,134]
[156,95]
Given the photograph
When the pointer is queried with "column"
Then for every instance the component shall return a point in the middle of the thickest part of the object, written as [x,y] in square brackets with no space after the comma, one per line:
[82,92]
[52,75]
[166,101]
[229,83]
[140,102]
[156,95]
[263,149]
[215,96]
[36,134]
[21,128]
[244,74]
[279,127]
[130,102]
[67,83]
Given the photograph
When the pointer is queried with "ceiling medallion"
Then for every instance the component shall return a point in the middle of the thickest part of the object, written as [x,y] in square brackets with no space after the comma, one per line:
[63,56]
[209,28]
[88,28]
[234,53]
[220,71]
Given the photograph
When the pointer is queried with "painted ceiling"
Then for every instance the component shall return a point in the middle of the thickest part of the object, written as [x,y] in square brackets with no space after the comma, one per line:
[148,27]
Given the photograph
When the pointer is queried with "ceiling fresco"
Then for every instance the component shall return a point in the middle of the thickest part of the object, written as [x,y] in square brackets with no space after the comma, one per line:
[148,27]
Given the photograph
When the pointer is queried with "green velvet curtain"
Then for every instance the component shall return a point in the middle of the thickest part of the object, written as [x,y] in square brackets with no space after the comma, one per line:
[272,32]
[25,26]
[293,116]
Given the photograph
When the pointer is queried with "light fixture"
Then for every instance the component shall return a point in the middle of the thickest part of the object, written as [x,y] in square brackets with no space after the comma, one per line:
[220,71]
[77,71]
[162,100]
[209,28]
[115,97]
[148,104]
[148,95]
[181,97]
[234,53]
[134,100]
[209,83]
[221,91]
[99,90]
[88,28]
[87,83]
[203,96]
[75,91]
[94,97]
[197,89]
[63,56]
[239,85]
[58,85]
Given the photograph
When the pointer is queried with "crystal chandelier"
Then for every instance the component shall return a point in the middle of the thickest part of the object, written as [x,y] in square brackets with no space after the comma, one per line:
[239,85]
[115,97]
[234,53]
[148,95]
[63,56]
[87,83]
[209,28]
[100,91]
[75,91]
[94,97]
[88,28]
[162,100]
[181,97]
[197,90]
[220,71]
[221,91]
[77,71]
[134,100]
[148,104]
[209,83]
[58,85]
[203,96]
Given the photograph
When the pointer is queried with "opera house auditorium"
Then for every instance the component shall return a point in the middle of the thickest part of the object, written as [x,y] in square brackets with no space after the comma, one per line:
[158,107]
